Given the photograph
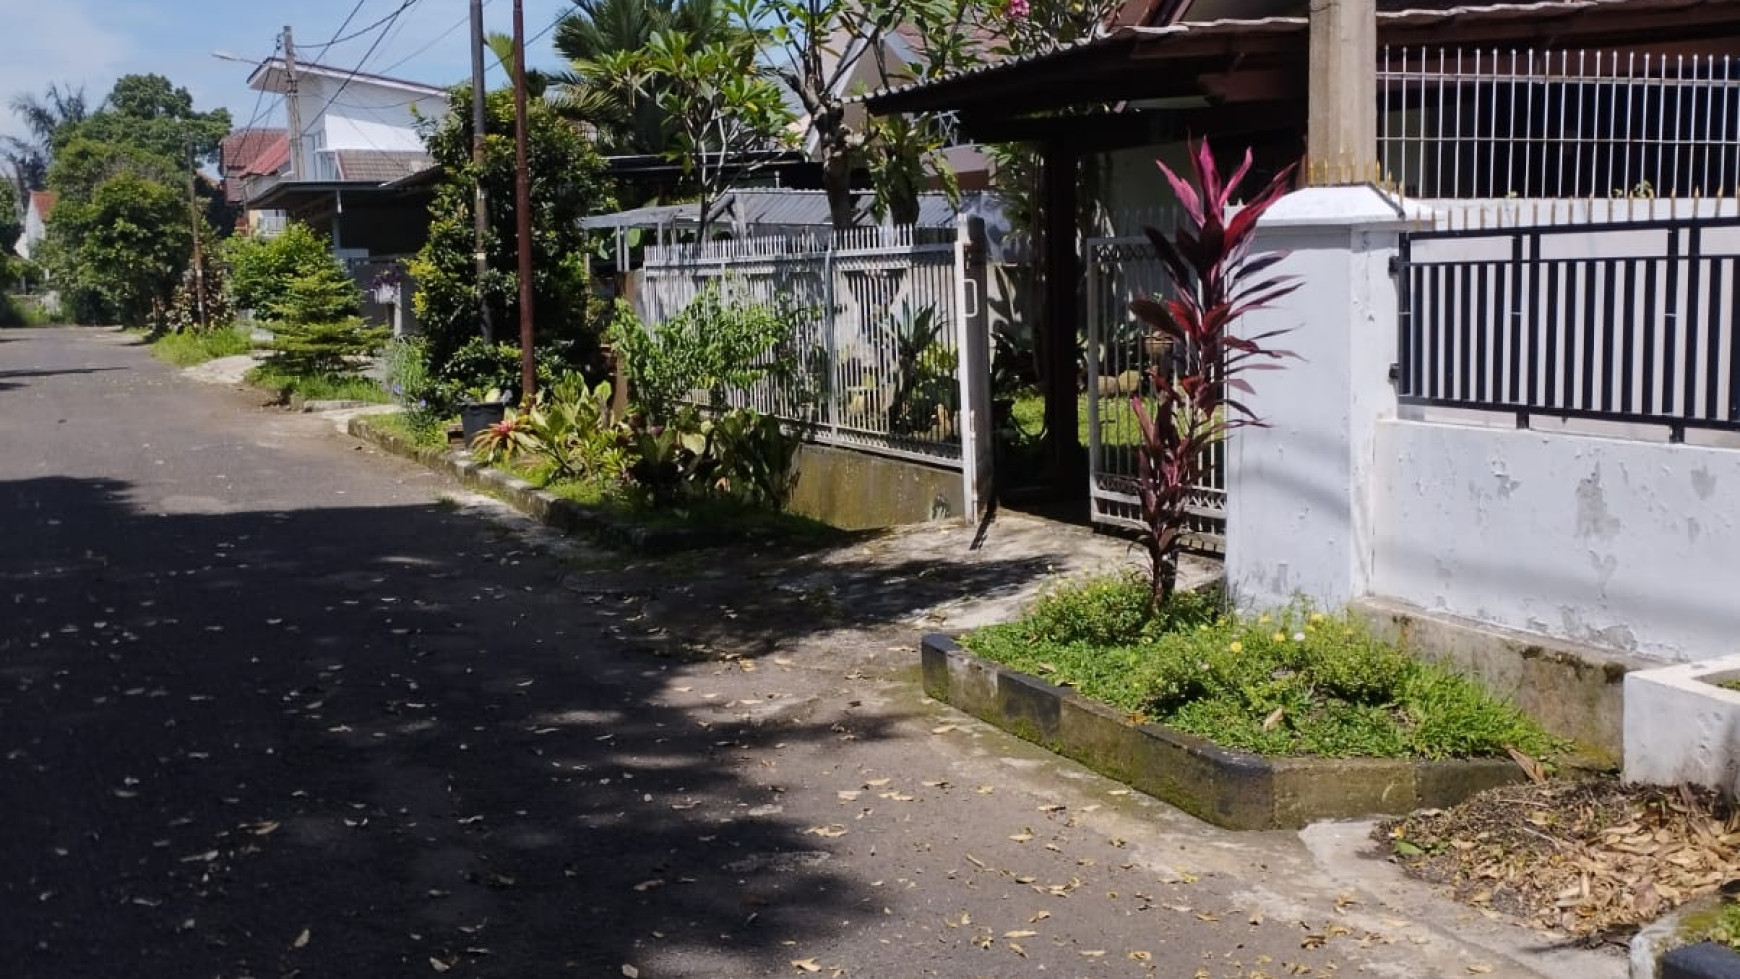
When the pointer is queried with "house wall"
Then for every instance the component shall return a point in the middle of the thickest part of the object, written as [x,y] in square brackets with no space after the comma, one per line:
[35,229]
[1620,543]
[366,116]
[1605,537]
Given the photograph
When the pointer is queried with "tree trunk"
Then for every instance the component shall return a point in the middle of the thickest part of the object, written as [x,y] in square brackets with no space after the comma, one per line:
[836,150]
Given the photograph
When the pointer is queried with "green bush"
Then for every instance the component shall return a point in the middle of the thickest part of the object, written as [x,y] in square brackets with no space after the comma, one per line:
[191,347]
[261,270]
[1291,682]
[315,329]
[711,347]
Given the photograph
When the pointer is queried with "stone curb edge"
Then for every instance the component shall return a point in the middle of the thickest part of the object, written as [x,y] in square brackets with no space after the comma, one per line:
[1233,789]
[545,507]
[1706,960]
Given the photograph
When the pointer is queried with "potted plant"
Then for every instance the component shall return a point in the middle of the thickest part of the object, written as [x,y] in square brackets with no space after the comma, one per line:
[479,408]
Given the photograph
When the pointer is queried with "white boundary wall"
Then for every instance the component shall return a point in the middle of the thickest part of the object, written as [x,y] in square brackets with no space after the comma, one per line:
[1630,545]
[1624,543]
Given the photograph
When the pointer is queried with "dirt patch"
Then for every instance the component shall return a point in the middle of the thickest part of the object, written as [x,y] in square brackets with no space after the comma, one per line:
[1590,860]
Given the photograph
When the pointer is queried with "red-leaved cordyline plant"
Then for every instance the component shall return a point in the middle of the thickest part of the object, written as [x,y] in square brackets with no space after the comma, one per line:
[1215,280]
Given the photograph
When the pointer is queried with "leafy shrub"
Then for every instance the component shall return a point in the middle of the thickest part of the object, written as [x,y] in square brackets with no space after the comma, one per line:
[711,346]
[185,309]
[261,270]
[569,427]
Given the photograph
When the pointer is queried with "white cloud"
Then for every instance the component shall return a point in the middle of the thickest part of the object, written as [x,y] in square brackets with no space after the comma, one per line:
[64,41]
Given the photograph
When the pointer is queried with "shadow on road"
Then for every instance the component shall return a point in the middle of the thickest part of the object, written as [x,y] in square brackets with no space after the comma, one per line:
[361,742]
[10,379]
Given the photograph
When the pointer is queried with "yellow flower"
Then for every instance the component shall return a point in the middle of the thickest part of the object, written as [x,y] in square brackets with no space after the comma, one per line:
[1279,637]
[1263,618]
[1317,616]
[1236,647]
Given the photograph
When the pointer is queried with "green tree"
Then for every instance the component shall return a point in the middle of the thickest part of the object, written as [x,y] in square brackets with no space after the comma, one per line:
[315,327]
[567,182]
[30,157]
[261,269]
[599,29]
[721,108]
[148,113]
[124,247]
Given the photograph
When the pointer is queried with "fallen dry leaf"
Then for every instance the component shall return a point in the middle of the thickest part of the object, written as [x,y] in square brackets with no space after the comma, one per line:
[1020,933]
[830,832]
[302,939]
[806,965]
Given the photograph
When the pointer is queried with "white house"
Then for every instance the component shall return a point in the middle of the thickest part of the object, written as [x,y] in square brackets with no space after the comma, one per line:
[351,162]
[35,221]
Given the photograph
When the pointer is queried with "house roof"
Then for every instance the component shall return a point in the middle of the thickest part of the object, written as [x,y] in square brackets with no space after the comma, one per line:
[746,210]
[43,201]
[380,166]
[272,76]
[244,146]
[1126,62]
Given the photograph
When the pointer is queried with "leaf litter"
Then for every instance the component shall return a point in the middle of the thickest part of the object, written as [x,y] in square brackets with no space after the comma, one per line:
[1593,859]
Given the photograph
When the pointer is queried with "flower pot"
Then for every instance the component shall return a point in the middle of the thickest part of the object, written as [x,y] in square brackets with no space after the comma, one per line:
[477,416]
[1158,348]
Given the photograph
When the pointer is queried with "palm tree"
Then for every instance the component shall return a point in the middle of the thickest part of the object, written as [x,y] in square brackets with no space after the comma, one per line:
[30,157]
[600,28]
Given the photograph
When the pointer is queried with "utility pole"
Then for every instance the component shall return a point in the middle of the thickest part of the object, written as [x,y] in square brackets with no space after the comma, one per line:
[523,208]
[1341,126]
[198,250]
[293,106]
[479,207]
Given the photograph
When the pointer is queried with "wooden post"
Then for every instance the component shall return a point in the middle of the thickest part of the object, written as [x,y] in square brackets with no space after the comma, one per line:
[1341,134]
[1062,321]
[480,205]
[293,108]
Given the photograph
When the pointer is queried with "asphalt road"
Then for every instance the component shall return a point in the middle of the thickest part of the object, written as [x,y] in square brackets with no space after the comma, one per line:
[273,706]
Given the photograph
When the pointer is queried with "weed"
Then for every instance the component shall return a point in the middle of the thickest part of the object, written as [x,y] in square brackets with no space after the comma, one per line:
[316,387]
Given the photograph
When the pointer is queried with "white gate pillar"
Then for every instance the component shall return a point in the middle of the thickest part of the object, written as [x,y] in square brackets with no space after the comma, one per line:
[1299,492]
[973,367]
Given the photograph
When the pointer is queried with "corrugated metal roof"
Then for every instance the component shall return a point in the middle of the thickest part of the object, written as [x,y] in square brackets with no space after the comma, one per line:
[1409,17]
[750,210]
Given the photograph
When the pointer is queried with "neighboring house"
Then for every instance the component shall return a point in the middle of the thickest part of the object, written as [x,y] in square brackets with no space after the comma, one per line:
[356,167]
[249,153]
[36,214]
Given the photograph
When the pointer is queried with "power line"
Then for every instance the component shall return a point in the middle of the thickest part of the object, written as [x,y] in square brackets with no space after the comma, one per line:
[335,34]
[441,37]
[404,6]
[539,36]
[277,45]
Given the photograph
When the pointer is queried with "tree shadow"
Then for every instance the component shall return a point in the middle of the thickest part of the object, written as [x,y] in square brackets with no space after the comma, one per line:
[361,741]
[9,379]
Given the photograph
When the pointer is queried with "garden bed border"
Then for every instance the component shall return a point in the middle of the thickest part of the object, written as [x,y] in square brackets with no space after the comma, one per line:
[567,516]
[1233,789]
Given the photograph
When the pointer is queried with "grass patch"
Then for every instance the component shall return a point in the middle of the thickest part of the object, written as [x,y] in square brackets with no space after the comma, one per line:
[189,348]
[1117,418]
[1721,925]
[1733,684]
[422,430]
[1296,682]
[317,387]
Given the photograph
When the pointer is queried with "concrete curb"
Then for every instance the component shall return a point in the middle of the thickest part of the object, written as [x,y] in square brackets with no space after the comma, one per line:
[1706,960]
[1229,788]
[547,508]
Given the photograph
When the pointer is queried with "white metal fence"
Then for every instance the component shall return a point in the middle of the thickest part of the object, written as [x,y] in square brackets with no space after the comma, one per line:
[1566,125]
[1118,355]
[888,350]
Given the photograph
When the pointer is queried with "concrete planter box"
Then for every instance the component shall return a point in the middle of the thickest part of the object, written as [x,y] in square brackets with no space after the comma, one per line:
[1706,960]
[1229,788]
[1681,727]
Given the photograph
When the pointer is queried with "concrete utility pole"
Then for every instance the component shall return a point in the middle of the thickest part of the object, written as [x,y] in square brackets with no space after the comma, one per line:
[523,208]
[293,106]
[1341,130]
[480,207]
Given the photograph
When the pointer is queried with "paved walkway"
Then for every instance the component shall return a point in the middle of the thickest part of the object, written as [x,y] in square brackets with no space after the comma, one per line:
[274,705]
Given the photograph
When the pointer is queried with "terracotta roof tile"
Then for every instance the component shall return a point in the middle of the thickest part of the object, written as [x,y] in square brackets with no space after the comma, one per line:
[380,166]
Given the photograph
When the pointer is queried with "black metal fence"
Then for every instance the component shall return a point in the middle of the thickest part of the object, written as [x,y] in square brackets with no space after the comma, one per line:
[1631,322]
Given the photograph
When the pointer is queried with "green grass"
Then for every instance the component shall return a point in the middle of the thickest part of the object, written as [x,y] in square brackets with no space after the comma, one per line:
[189,348]
[317,387]
[1729,684]
[422,431]
[1117,418]
[1295,682]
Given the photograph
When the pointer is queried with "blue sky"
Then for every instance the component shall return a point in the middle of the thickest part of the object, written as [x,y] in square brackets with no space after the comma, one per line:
[92,42]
